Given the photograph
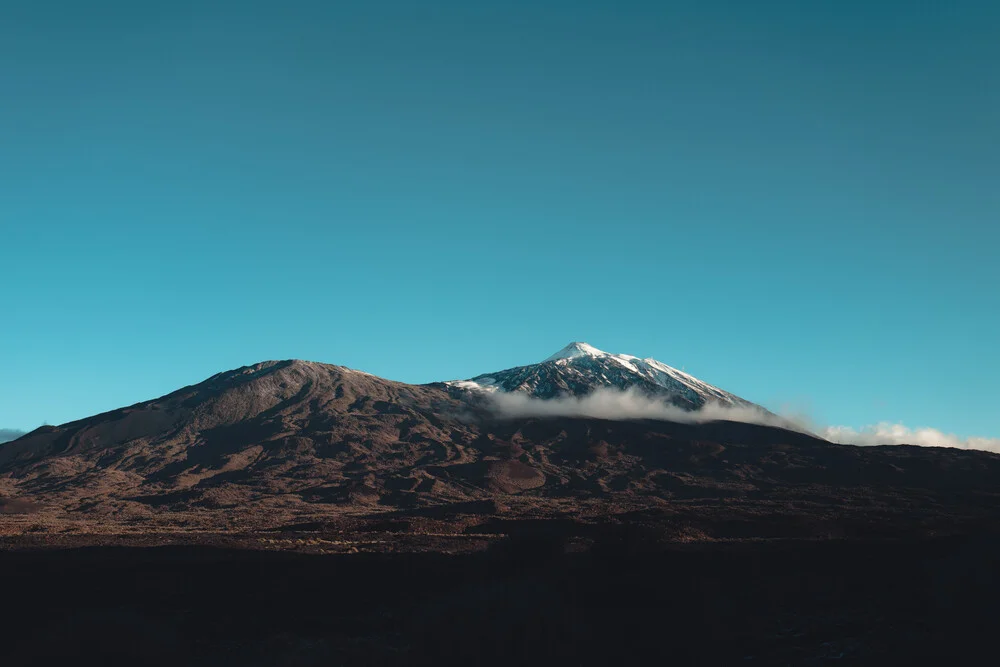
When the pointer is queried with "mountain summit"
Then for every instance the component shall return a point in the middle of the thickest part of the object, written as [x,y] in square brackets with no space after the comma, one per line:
[577,350]
[288,444]
[579,369]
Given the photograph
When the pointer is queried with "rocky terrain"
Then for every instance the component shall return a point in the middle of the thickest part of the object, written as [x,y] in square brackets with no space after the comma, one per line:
[292,442]
[307,514]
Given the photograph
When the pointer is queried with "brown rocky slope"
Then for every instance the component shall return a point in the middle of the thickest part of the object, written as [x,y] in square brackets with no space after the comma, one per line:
[292,442]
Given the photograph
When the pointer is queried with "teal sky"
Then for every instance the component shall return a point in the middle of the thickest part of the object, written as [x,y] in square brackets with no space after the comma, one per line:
[796,201]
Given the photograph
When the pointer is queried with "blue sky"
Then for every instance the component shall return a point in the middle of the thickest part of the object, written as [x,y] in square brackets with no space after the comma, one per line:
[795,201]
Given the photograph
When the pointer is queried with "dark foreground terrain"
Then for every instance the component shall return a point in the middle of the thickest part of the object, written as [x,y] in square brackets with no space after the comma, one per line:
[530,599]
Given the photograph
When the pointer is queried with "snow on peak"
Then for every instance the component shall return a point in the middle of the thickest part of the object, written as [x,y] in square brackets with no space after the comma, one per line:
[580,369]
[576,349]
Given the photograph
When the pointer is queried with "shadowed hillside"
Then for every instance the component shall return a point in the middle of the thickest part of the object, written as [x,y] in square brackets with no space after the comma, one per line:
[283,443]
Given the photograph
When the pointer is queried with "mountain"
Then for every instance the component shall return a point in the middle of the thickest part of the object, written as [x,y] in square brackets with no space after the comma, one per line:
[579,369]
[285,443]
[257,433]
[539,538]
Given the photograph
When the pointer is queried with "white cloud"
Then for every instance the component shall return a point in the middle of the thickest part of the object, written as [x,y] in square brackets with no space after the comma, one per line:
[629,404]
[633,404]
[885,433]
[7,434]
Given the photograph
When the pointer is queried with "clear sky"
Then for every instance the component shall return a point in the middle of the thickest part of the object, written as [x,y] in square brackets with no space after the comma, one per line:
[796,201]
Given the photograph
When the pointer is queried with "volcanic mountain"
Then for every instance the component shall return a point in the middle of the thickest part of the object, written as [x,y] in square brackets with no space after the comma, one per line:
[282,442]
[579,369]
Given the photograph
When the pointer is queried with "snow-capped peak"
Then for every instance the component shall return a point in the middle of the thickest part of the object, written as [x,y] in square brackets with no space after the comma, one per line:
[576,349]
[580,369]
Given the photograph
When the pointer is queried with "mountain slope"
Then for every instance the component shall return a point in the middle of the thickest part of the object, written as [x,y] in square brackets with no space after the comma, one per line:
[579,369]
[284,442]
[274,428]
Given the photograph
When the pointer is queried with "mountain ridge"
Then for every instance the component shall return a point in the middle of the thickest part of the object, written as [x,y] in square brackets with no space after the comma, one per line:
[282,442]
[579,369]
